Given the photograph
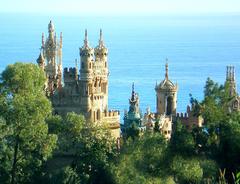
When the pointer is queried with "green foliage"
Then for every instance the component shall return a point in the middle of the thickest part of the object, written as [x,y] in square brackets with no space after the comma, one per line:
[143,160]
[132,131]
[182,141]
[66,175]
[96,149]
[221,137]
[186,170]
[26,144]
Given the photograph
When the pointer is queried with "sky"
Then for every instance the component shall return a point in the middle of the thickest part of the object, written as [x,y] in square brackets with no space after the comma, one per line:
[120,7]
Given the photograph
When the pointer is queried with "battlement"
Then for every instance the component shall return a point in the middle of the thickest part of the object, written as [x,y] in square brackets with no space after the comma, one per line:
[71,70]
[111,113]
[182,115]
[189,120]
[70,74]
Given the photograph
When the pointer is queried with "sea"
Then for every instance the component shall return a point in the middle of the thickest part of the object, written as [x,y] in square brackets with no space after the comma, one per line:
[196,46]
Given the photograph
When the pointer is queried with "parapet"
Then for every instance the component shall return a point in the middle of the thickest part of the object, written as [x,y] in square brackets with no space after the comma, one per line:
[69,74]
[111,113]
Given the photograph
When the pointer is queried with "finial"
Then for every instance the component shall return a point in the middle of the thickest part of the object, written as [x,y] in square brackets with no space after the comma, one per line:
[101,39]
[50,26]
[86,39]
[133,93]
[42,40]
[166,69]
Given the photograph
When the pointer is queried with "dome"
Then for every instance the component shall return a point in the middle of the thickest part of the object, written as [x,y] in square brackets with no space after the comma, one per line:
[166,84]
[40,59]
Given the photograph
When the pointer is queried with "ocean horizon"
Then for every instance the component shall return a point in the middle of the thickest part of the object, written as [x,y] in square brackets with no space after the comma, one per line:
[197,47]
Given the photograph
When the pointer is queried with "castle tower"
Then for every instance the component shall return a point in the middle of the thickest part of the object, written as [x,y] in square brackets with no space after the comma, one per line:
[230,80]
[86,74]
[52,55]
[133,115]
[166,93]
[101,69]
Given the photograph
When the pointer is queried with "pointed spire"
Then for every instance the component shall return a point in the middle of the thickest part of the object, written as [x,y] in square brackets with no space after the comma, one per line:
[50,27]
[101,44]
[43,40]
[166,69]
[86,39]
[133,92]
[227,73]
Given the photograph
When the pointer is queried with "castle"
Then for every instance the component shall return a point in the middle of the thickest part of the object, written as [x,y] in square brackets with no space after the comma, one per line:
[82,91]
[166,107]
[85,91]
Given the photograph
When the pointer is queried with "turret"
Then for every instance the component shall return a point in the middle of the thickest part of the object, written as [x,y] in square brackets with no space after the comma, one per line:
[41,61]
[166,93]
[230,80]
[52,56]
[133,115]
[101,51]
[86,57]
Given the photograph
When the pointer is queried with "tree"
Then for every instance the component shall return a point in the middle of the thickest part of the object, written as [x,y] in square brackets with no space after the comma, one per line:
[186,170]
[182,141]
[24,108]
[96,148]
[220,134]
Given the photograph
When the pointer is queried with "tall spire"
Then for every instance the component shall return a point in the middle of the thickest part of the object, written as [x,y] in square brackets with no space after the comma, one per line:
[133,92]
[50,27]
[166,69]
[86,39]
[101,44]
[230,74]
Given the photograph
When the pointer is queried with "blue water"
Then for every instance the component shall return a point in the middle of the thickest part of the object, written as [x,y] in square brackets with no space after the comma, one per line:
[197,47]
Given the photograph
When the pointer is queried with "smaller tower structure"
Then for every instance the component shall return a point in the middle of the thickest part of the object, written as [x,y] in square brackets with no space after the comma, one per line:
[234,104]
[86,74]
[50,59]
[166,93]
[133,115]
[230,80]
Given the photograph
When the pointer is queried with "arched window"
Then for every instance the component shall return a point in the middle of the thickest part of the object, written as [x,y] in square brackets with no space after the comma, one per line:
[169,105]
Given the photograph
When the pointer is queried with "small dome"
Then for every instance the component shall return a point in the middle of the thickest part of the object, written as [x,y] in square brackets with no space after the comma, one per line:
[166,84]
[40,59]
